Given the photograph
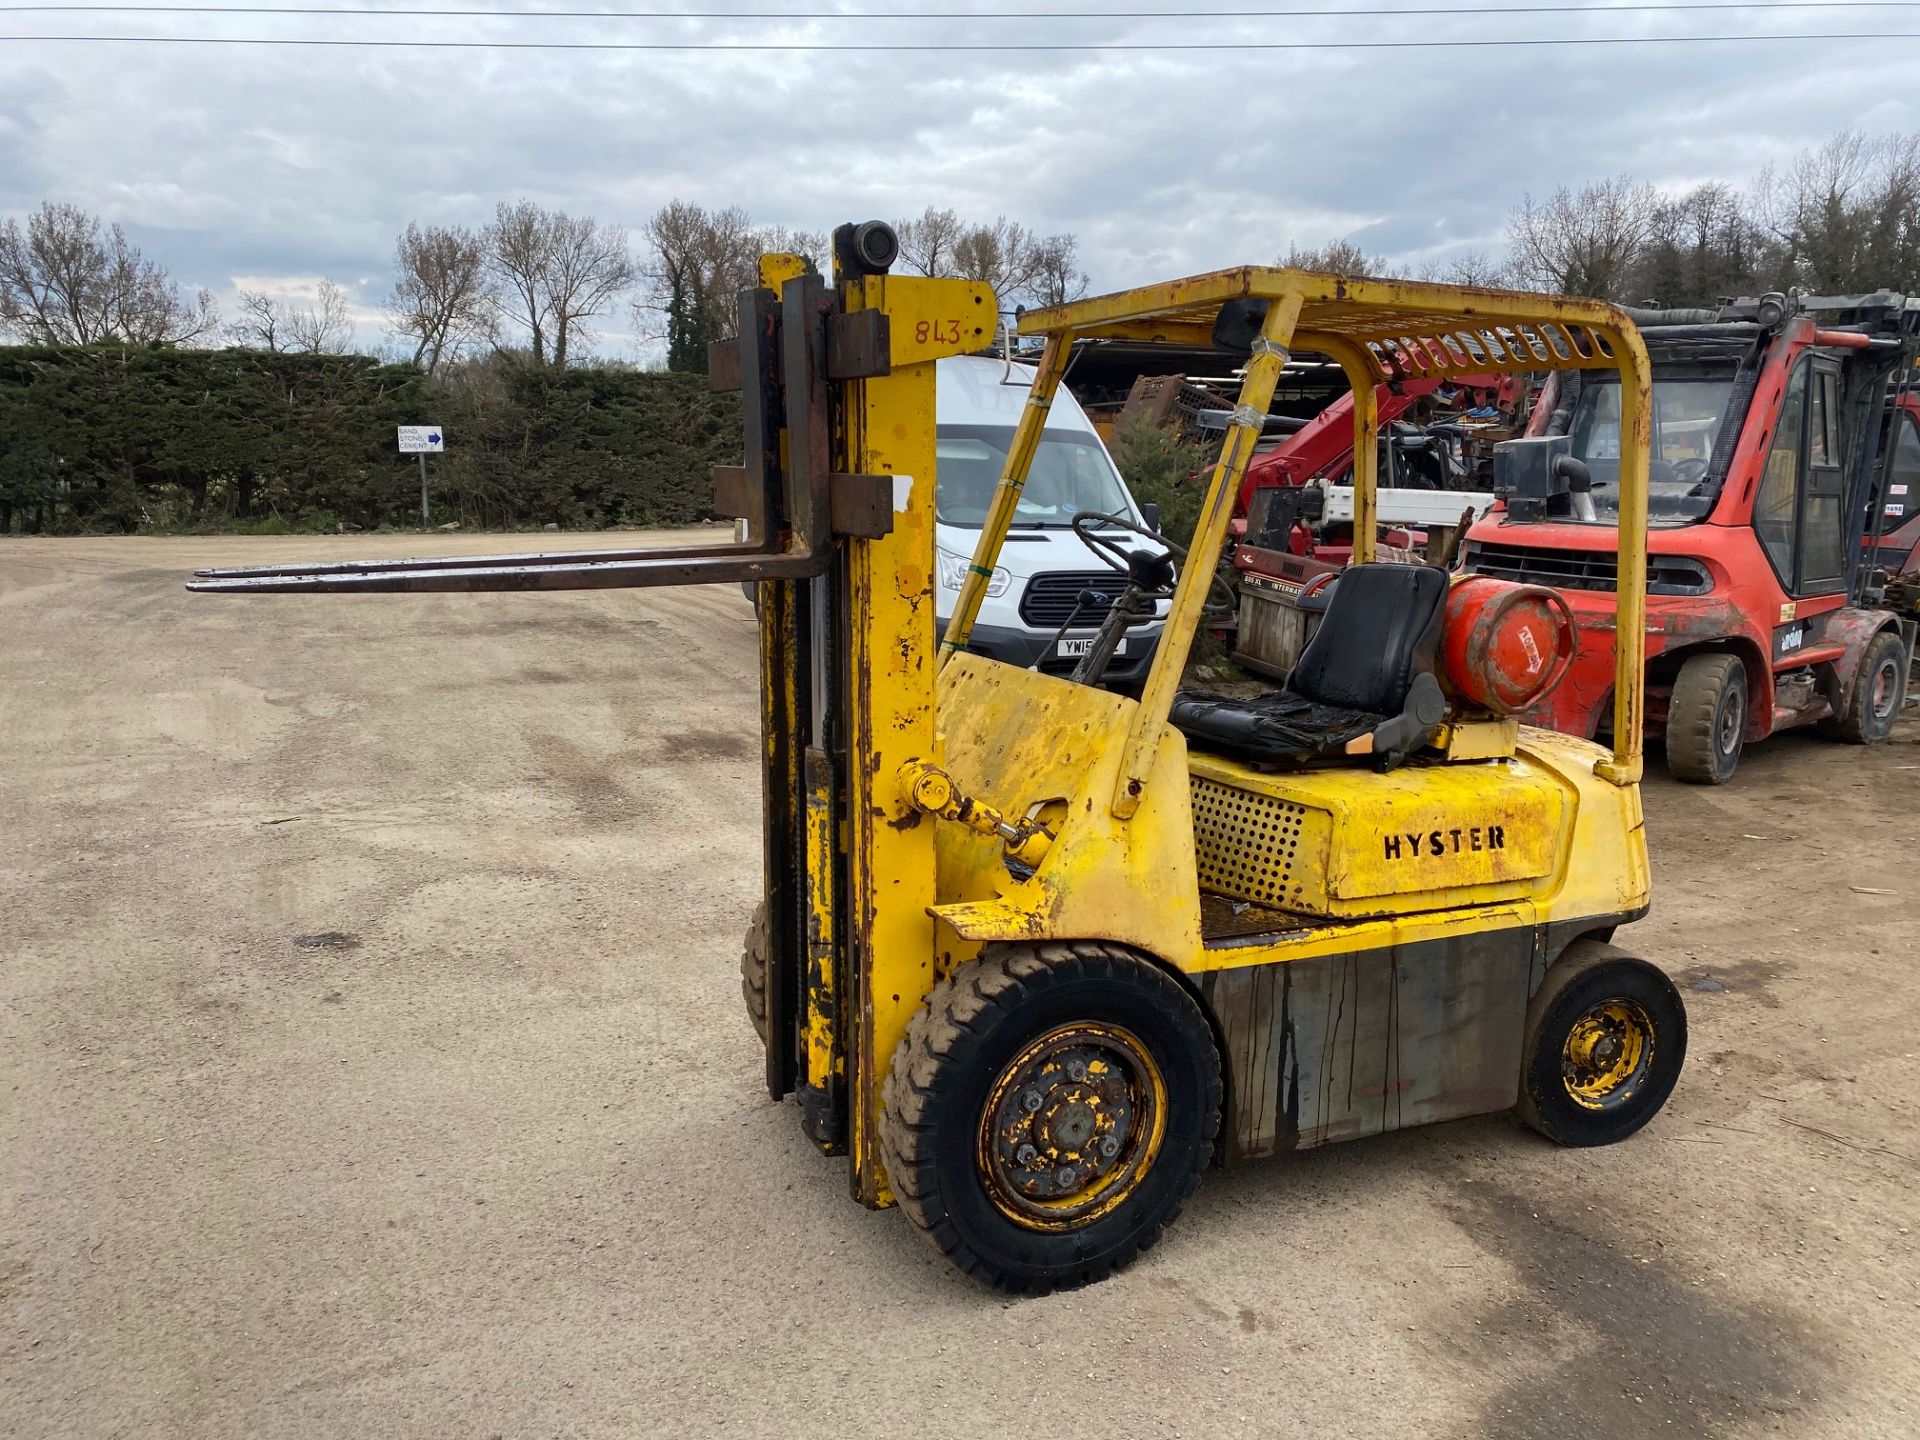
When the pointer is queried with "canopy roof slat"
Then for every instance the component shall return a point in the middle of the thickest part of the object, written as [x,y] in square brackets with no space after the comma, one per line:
[1401,327]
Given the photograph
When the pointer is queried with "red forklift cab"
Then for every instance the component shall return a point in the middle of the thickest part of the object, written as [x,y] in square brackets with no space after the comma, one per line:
[1767,421]
[1893,519]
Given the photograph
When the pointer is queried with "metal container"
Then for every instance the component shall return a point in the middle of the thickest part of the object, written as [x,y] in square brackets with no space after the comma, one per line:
[1502,645]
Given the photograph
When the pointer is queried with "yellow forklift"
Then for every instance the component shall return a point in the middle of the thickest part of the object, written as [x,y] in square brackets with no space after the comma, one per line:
[1033,954]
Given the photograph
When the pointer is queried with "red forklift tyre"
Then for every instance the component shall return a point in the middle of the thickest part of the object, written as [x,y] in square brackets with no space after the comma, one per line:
[1606,1037]
[1707,719]
[1879,690]
[753,971]
[1049,1112]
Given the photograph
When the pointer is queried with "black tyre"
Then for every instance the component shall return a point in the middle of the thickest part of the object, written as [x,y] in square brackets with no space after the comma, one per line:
[1606,1037]
[1879,690]
[1707,719]
[753,971]
[1049,1112]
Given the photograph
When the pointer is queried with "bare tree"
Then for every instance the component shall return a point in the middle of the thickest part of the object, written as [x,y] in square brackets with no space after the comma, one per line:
[557,273]
[258,326]
[323,328]
[592,264]
[1003,253]
[698,262]
[1582,242]
[1475,267]
[814,246]
[1846,214]
[927,245]
[442,299]
[1057,276]
[1336,257]
[1700,245]
[1019,263]
[65,281]
[519,248]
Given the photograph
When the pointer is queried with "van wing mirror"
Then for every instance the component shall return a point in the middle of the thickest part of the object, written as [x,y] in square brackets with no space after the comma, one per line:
[1150,513]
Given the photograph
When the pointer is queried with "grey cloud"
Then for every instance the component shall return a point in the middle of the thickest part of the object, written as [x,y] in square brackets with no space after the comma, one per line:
[226,162]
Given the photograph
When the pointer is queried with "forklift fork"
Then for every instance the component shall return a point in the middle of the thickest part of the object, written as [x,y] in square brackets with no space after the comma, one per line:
[796,512]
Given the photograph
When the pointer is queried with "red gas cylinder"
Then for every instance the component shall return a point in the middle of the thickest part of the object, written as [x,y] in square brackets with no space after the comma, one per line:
[1504,645]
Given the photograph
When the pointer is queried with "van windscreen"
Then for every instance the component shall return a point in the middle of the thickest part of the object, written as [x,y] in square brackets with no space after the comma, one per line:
[1070,473]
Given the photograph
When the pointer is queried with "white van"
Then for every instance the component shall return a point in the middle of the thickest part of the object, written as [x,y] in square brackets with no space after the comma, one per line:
[1044,567]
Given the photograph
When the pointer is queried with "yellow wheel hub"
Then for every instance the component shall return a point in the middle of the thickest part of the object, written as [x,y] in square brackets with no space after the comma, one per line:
[1071,1126]
[1608,1052]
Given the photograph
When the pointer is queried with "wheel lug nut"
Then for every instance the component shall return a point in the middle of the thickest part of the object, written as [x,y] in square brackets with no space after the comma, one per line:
[1077,1070]
[1030,1101]
[1109,1147]
[1026,1155]
[1066,1175]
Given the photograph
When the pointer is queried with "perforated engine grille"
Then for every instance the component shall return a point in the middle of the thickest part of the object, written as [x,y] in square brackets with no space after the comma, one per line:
[1245,844]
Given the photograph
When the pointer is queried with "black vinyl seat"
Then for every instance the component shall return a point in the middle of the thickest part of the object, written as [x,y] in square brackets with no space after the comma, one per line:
[1364,685]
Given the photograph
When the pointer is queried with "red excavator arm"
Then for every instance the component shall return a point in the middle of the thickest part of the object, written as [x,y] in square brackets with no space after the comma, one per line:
[1324,445]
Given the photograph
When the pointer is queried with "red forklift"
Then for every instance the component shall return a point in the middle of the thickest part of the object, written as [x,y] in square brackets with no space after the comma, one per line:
[1893,520]
[1767,588]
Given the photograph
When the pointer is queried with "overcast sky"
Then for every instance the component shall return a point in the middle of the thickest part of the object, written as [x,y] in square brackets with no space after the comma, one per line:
[258,167]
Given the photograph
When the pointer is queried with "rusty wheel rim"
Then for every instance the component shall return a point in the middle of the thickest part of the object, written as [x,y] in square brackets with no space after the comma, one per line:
[1607,1054]
[1071,1126]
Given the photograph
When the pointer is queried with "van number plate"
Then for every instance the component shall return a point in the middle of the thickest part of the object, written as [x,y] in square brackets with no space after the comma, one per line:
[1077,649]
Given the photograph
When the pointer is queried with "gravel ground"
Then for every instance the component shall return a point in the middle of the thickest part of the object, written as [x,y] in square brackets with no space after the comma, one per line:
[372,1063]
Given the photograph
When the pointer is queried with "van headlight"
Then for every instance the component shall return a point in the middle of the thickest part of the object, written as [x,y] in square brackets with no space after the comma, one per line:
[953,573]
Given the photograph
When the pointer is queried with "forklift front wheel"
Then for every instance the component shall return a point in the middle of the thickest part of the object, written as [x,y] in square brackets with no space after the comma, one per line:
[1606,1037]
[1049,1112]
[1707,719]
[753,971]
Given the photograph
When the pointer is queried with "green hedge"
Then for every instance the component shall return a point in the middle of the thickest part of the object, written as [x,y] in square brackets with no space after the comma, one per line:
[117,439]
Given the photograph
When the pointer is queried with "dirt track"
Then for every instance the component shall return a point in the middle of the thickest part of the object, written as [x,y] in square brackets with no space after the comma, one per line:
[372,1063]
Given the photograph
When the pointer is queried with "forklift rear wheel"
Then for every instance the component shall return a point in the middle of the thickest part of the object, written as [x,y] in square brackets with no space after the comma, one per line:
[1606,1037]
[1707,719]
[1049,1112]
[1879,690]
[753,971]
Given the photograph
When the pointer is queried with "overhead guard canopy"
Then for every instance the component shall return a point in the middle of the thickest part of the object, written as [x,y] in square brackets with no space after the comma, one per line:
[1395,328]
[1380,331]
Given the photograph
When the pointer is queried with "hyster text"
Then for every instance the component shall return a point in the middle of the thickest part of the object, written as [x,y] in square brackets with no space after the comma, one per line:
[1446,842]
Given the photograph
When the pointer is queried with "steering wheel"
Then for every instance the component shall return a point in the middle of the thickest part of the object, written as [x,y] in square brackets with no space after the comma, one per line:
[1690,472]
[1220,596]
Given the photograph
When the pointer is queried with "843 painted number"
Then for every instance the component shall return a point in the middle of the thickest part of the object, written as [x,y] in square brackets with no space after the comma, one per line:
[937,332]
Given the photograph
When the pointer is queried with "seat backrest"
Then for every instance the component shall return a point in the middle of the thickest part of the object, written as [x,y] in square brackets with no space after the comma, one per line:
[1382,627]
